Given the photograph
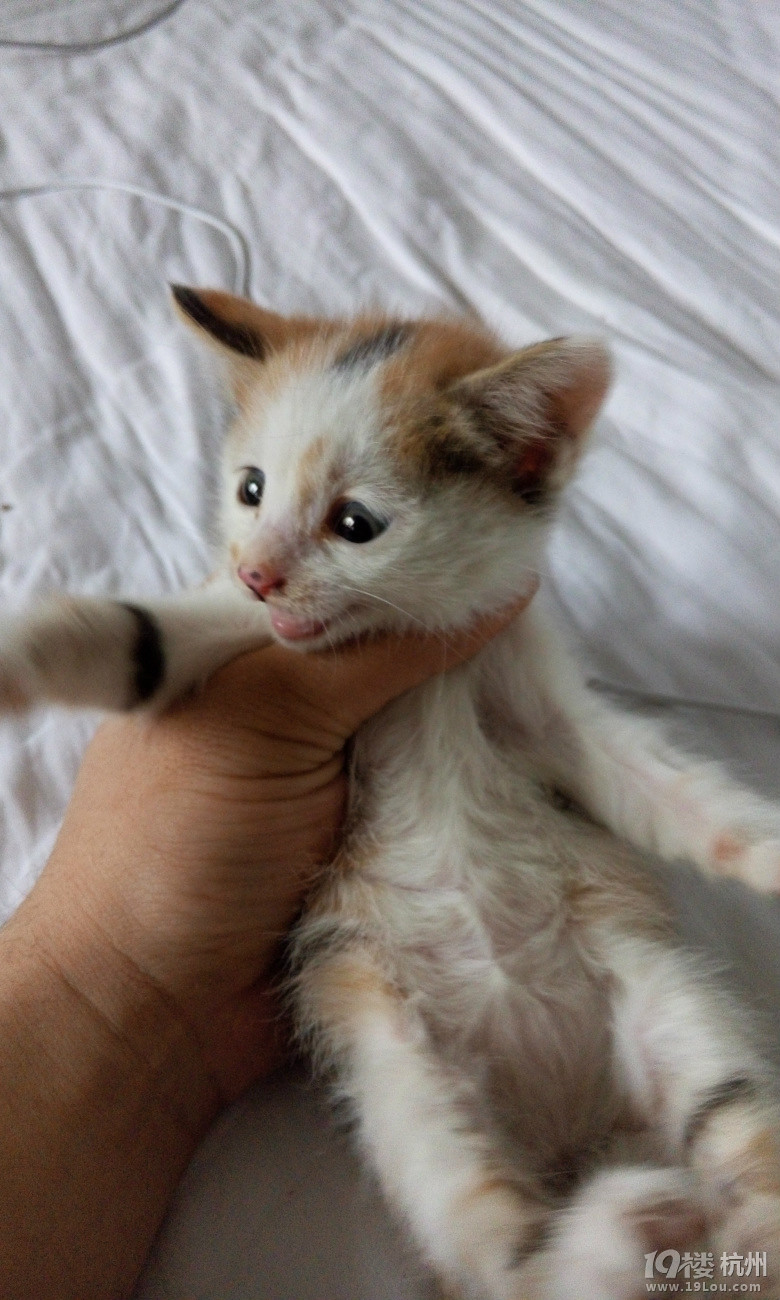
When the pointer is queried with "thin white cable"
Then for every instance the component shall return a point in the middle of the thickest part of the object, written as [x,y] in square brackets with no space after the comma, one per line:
[104,43]
[233,235]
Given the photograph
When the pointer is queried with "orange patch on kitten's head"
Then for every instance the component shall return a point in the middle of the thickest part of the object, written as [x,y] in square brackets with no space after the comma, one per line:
[460,404]
[428,436]
[452,401]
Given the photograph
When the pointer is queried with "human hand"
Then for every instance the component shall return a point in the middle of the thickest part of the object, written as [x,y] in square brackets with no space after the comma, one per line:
[192,837]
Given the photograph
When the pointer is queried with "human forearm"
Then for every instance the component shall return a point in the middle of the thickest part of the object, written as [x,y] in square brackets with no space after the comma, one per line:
[102,1101]
[135,981]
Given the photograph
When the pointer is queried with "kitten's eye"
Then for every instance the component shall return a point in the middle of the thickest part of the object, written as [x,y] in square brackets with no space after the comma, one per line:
[250,489]
[355,523]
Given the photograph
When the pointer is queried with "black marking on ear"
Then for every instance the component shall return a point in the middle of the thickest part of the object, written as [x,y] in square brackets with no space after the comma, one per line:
[239,338]
[377,347]
[148,655]
[532,494]
[449,456]
[738,1088]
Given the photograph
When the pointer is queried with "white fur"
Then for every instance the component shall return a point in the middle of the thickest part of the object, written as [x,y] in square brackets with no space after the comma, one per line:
[489,976]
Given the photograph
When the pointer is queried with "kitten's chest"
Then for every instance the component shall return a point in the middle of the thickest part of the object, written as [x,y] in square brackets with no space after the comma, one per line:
[466,829]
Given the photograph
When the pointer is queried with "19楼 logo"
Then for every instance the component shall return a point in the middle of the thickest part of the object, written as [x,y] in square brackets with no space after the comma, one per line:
[689,1272]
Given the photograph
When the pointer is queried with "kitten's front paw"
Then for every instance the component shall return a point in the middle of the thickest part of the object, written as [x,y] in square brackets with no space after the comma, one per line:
[756,862]
[18,688]
[761,866]
[68,651]
[30,658]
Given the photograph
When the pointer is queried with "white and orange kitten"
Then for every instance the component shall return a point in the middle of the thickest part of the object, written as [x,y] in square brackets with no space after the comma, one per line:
[545,1084]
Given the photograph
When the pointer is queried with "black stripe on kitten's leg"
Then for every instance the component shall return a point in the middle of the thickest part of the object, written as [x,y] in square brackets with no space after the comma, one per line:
[738,1088]
[148,656]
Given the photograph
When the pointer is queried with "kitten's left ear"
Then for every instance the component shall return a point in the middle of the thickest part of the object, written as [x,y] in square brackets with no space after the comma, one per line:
[243,333]
[532,409]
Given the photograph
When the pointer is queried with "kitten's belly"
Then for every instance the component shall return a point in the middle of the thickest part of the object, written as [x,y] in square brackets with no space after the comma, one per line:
[495,904]
[486,949]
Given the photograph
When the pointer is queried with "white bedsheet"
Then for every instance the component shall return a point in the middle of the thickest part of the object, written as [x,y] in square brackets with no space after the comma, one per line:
[607,168]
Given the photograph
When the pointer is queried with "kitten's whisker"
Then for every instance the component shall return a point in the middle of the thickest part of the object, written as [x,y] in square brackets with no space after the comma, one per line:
[331,643]
[441,635]
[371,596]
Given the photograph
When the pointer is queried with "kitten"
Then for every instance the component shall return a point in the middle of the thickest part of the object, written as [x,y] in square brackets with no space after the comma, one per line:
[546,1085]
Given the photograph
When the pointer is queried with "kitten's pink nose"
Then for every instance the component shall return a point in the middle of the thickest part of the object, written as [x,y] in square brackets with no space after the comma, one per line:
[261,582]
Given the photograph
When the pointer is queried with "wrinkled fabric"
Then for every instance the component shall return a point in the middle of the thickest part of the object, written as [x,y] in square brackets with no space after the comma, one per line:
[556,167]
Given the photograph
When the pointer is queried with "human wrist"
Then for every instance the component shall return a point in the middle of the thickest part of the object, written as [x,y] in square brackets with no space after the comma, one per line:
[63,971]
[102,1103]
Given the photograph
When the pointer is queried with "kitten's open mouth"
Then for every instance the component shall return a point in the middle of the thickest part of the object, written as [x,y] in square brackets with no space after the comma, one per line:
[289,626]
[293,628]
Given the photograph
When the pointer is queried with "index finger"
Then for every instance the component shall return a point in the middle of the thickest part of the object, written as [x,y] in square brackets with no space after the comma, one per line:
[361,677]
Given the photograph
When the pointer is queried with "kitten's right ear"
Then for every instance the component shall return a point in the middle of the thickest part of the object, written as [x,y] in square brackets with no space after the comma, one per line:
[244,334]
[532,410]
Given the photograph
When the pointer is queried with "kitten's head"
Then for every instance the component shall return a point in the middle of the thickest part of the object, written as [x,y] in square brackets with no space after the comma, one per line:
[384,473]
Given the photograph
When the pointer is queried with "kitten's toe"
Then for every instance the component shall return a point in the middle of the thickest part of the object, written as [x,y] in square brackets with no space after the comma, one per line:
[752,856]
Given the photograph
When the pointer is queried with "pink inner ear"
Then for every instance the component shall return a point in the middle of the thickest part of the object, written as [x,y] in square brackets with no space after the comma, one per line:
[534,464]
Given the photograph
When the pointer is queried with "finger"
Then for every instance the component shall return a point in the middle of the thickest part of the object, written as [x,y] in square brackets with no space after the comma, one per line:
[325,696]
[362,677]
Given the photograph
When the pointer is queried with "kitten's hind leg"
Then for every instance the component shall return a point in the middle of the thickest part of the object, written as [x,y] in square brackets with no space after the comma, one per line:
[695,1076]
[115,655]
[599,1247]
[474,1220]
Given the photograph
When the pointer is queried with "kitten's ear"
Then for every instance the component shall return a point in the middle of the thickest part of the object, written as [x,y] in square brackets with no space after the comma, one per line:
[531,410]
[244,334]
